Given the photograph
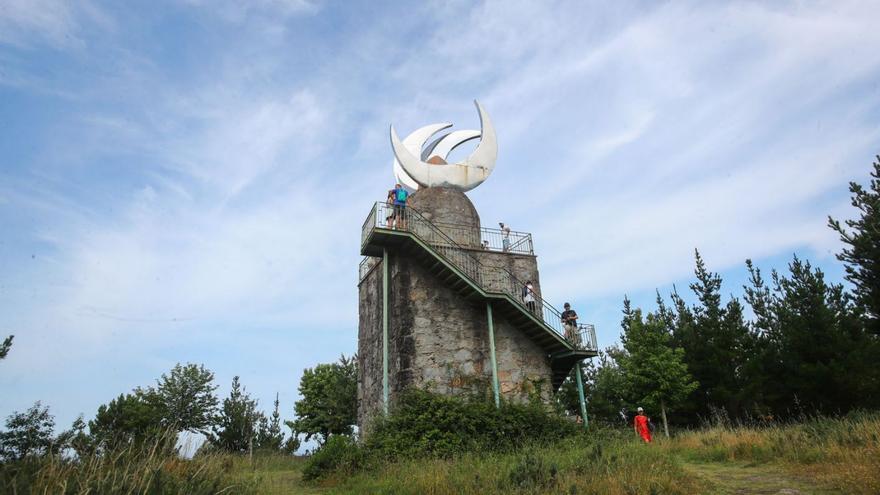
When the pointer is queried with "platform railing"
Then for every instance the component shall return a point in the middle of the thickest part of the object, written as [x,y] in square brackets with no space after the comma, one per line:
[491,279]
[585,338]
[366,265]
[489,239]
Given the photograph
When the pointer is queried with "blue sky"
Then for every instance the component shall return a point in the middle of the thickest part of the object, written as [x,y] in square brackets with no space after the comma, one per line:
[186,181]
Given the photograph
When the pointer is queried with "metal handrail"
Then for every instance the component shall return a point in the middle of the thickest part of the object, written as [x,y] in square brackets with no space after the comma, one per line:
[491,279]
[489,239]
[367,264]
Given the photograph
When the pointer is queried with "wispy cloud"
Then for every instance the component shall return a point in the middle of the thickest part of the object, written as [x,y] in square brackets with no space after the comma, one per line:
[196,192]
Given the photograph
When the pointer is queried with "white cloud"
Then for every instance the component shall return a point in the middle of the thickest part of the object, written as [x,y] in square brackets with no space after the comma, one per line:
[188,215]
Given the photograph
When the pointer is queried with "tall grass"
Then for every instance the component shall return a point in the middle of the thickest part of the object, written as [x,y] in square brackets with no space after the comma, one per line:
[607,463]
[842,453]
[146,469]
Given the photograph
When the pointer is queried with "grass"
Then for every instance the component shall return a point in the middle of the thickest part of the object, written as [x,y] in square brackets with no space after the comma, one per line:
[817,456]
[841,454]
[145,469]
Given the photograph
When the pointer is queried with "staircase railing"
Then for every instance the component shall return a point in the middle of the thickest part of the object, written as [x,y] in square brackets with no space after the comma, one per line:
[489,278]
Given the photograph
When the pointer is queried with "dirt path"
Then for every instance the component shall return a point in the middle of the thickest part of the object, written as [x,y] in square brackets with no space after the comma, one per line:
[749,479]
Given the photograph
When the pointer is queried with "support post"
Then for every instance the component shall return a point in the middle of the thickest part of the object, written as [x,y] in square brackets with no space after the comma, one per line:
[385,331]
[580,383]
[492,355]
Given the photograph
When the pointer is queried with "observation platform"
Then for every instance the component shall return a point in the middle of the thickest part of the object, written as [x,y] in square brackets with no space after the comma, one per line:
[451,253]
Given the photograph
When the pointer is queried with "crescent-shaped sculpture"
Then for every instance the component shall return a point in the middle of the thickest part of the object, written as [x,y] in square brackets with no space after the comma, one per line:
[442,146]
[414,143]
[464,175]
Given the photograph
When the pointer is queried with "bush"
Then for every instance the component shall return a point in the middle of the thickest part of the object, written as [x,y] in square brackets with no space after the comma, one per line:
[424,424]
[427,424]
[340,454]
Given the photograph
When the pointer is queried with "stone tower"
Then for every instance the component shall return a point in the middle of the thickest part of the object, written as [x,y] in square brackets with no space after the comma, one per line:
[441,308]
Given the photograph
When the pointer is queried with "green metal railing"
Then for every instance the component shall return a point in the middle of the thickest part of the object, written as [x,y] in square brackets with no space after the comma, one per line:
[488,239]
[489,278]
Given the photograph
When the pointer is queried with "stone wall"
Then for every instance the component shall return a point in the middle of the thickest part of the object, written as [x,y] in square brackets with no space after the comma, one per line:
[438,340]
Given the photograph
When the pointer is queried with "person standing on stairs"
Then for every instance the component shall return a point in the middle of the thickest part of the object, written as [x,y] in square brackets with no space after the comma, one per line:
[528,296]
[570,322]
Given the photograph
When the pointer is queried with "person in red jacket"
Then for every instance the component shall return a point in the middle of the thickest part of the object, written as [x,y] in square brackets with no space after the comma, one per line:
[640,425]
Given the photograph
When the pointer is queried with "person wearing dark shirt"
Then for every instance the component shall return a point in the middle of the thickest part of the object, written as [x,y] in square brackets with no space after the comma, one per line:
[569,321]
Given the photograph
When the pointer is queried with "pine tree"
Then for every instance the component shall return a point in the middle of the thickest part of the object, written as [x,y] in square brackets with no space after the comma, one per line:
[5,346]
[862,254]
[237,422]
[129,418]
[716,343]
[819,355]
[270,436]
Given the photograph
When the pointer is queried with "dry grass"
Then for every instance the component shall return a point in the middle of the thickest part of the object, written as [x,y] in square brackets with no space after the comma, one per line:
[575,466]
[841,453]
[145,469]
[816,456]
[828,455]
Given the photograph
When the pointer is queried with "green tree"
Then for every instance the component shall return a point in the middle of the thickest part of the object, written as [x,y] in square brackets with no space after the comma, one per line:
[861,256]
[77,438]
[129,418]
[292,444]
[329,400]
[716,341]
[814,350]
[237,422]
[5,346]
[186,395]
[270,436]
[567,396]
[607,387]
[28,434]
[655,372]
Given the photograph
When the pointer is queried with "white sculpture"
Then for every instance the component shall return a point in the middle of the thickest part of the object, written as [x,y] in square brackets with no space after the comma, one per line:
[413,170]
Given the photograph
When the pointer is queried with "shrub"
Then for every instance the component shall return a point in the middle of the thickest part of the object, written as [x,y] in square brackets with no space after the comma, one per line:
[428,424]
[425,424]
[339,454]
[532,472]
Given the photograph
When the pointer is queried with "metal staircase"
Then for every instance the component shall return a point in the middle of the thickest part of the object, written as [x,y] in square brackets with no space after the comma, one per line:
[418,238]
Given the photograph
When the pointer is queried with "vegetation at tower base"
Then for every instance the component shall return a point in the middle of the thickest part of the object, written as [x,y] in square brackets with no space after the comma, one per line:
[423,424]
[814,455]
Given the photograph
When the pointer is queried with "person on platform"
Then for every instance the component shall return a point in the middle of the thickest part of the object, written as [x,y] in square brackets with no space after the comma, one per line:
[528,296]
[505,237]
[389,202]
[569,321]
[400,197]
[641,425]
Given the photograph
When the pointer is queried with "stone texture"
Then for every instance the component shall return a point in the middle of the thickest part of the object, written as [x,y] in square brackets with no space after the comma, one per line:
[451,211]
[438,340]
